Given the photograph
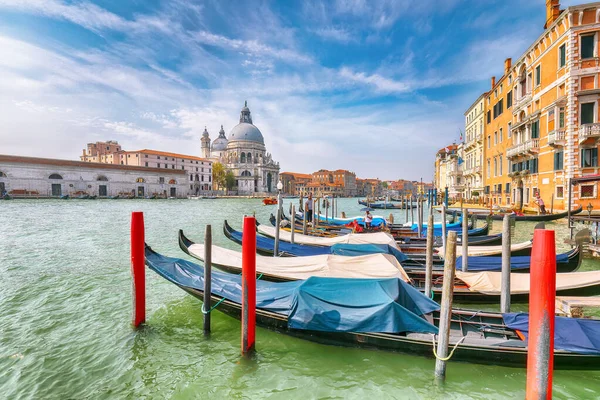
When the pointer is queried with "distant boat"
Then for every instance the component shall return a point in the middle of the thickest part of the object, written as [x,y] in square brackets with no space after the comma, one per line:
[115,197]
[7,197]
[83,197]
[269,201]
[92,197]
[65,197]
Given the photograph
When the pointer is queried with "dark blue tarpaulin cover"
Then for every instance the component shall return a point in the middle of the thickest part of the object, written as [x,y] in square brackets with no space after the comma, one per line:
[360,305]
[576,335]
[328,304]
[353,250]
[268,244]
[495,263]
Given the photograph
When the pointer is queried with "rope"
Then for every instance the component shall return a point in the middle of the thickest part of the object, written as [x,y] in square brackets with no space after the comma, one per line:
[213,307]
[451,353]
[431,294]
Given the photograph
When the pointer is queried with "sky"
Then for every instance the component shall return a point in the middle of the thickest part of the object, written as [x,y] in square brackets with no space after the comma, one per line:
[375,87]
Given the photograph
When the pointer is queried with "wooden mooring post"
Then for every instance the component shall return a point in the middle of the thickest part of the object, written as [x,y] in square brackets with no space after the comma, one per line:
[505,283]
[465,240]
[542,295]
[293,223]
[248,285]
[206,305]
[138,270]
[277,226]
[429,253]
[446,306]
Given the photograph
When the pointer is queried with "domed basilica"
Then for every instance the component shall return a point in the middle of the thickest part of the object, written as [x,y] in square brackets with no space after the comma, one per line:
[244,153]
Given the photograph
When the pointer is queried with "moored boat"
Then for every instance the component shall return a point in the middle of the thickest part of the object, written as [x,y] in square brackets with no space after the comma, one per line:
[269,201]
[479,337]
[524,217]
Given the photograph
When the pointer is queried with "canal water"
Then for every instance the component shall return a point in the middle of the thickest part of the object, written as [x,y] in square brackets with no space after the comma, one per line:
[65,311]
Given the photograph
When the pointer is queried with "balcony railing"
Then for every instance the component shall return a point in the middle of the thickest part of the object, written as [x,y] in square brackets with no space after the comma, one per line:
[530,146]
[523,100]
[557,138]
[588,131]
[474,140]
[472,170]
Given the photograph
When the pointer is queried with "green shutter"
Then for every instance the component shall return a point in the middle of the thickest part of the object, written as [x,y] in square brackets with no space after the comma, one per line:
[587,113]
[563,55]
[587,46]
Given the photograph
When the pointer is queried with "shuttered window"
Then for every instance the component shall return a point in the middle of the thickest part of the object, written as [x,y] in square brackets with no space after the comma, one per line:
[587,113]
[589,157]
[587,46]
[558,160]
[562,56]
[535,129]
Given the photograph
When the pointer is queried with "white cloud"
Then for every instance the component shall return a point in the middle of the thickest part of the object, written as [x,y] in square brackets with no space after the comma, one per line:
[382,84]
[335,34]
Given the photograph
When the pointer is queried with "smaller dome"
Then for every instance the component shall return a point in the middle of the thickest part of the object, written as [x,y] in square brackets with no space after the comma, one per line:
[220,143]
[205,133]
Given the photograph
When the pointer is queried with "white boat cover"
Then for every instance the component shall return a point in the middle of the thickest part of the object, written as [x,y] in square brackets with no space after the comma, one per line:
[351,238]
[475,251]
[369,266]
[491,282]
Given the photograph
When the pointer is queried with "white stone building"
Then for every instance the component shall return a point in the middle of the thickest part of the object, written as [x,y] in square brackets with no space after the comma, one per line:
[45,177]
[244,153]
[198,170]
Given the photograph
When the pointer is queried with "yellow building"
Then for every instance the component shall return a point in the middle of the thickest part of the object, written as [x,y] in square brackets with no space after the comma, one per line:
[541,117]
[473,149]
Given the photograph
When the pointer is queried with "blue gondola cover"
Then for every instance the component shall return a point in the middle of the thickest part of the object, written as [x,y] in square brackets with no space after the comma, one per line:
[353,250]
[570,334]
[495,263]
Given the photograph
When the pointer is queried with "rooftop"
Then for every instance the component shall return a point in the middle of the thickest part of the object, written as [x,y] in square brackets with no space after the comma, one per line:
[167,154]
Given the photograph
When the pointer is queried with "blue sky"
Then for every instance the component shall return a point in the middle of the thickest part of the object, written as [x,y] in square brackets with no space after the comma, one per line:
[376,87]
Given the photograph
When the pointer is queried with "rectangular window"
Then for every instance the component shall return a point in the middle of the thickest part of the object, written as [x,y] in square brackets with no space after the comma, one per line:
[587,46]
[161,180]
[495,167]
[587,113]
[558,160]
[587,191]
[562,56]
[509,129]
[533,166]
[538,75]
[507,190]
[560,192]
[500,106]
[495,138]
[489,141]
[561,117]
[500,159]
[535,129]
[509,99]
[500,135]
[589,157]
[146,163]
[489,116]
[550,115]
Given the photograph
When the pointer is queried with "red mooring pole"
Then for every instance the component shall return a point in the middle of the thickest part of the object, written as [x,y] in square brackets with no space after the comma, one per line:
[138,272]
[542,294]
[248,285]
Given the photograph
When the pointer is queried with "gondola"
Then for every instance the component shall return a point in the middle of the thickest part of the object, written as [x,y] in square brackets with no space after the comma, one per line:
[469,286]
[566,262]
[386,206]
[409,233]
[479,337]
[317,231]
[532,217]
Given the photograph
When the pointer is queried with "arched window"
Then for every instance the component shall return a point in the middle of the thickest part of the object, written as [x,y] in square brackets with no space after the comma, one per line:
[243,158]
[256,158]
[140,180]
[55,176]
[102,178]
[197,178]
[172,182]
[249,158]
[246,173]
[191,177]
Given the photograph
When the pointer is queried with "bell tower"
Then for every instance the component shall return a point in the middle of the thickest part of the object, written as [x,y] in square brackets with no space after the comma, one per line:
[205,144]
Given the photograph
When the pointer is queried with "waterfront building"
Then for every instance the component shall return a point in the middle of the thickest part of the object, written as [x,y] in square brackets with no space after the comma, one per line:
[45,177]
[498,137]
[197,169]
[473,149]
[244,153]
[448,173]
[541,117]
[369,187]
[295,183]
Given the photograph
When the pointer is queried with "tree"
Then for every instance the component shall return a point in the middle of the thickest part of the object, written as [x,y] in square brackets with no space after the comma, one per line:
[218,174]
[229,180]
[385,185]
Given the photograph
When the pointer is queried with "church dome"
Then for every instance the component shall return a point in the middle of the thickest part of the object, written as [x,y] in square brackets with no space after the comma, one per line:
[245,130]
[220,143]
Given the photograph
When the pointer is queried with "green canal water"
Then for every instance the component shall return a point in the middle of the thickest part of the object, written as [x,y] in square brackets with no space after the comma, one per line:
[65,311]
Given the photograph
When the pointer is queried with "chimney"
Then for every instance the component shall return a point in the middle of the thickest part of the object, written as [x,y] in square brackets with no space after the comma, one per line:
[493,81]
[507,65]
[552,12]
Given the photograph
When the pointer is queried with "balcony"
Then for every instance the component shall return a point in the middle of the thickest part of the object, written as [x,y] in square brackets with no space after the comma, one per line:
[557,138]
[589,131]
[530,146]
[522,101]
[474,140]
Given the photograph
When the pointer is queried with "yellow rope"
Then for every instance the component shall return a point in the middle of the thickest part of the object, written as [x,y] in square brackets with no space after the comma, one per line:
[451,353]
